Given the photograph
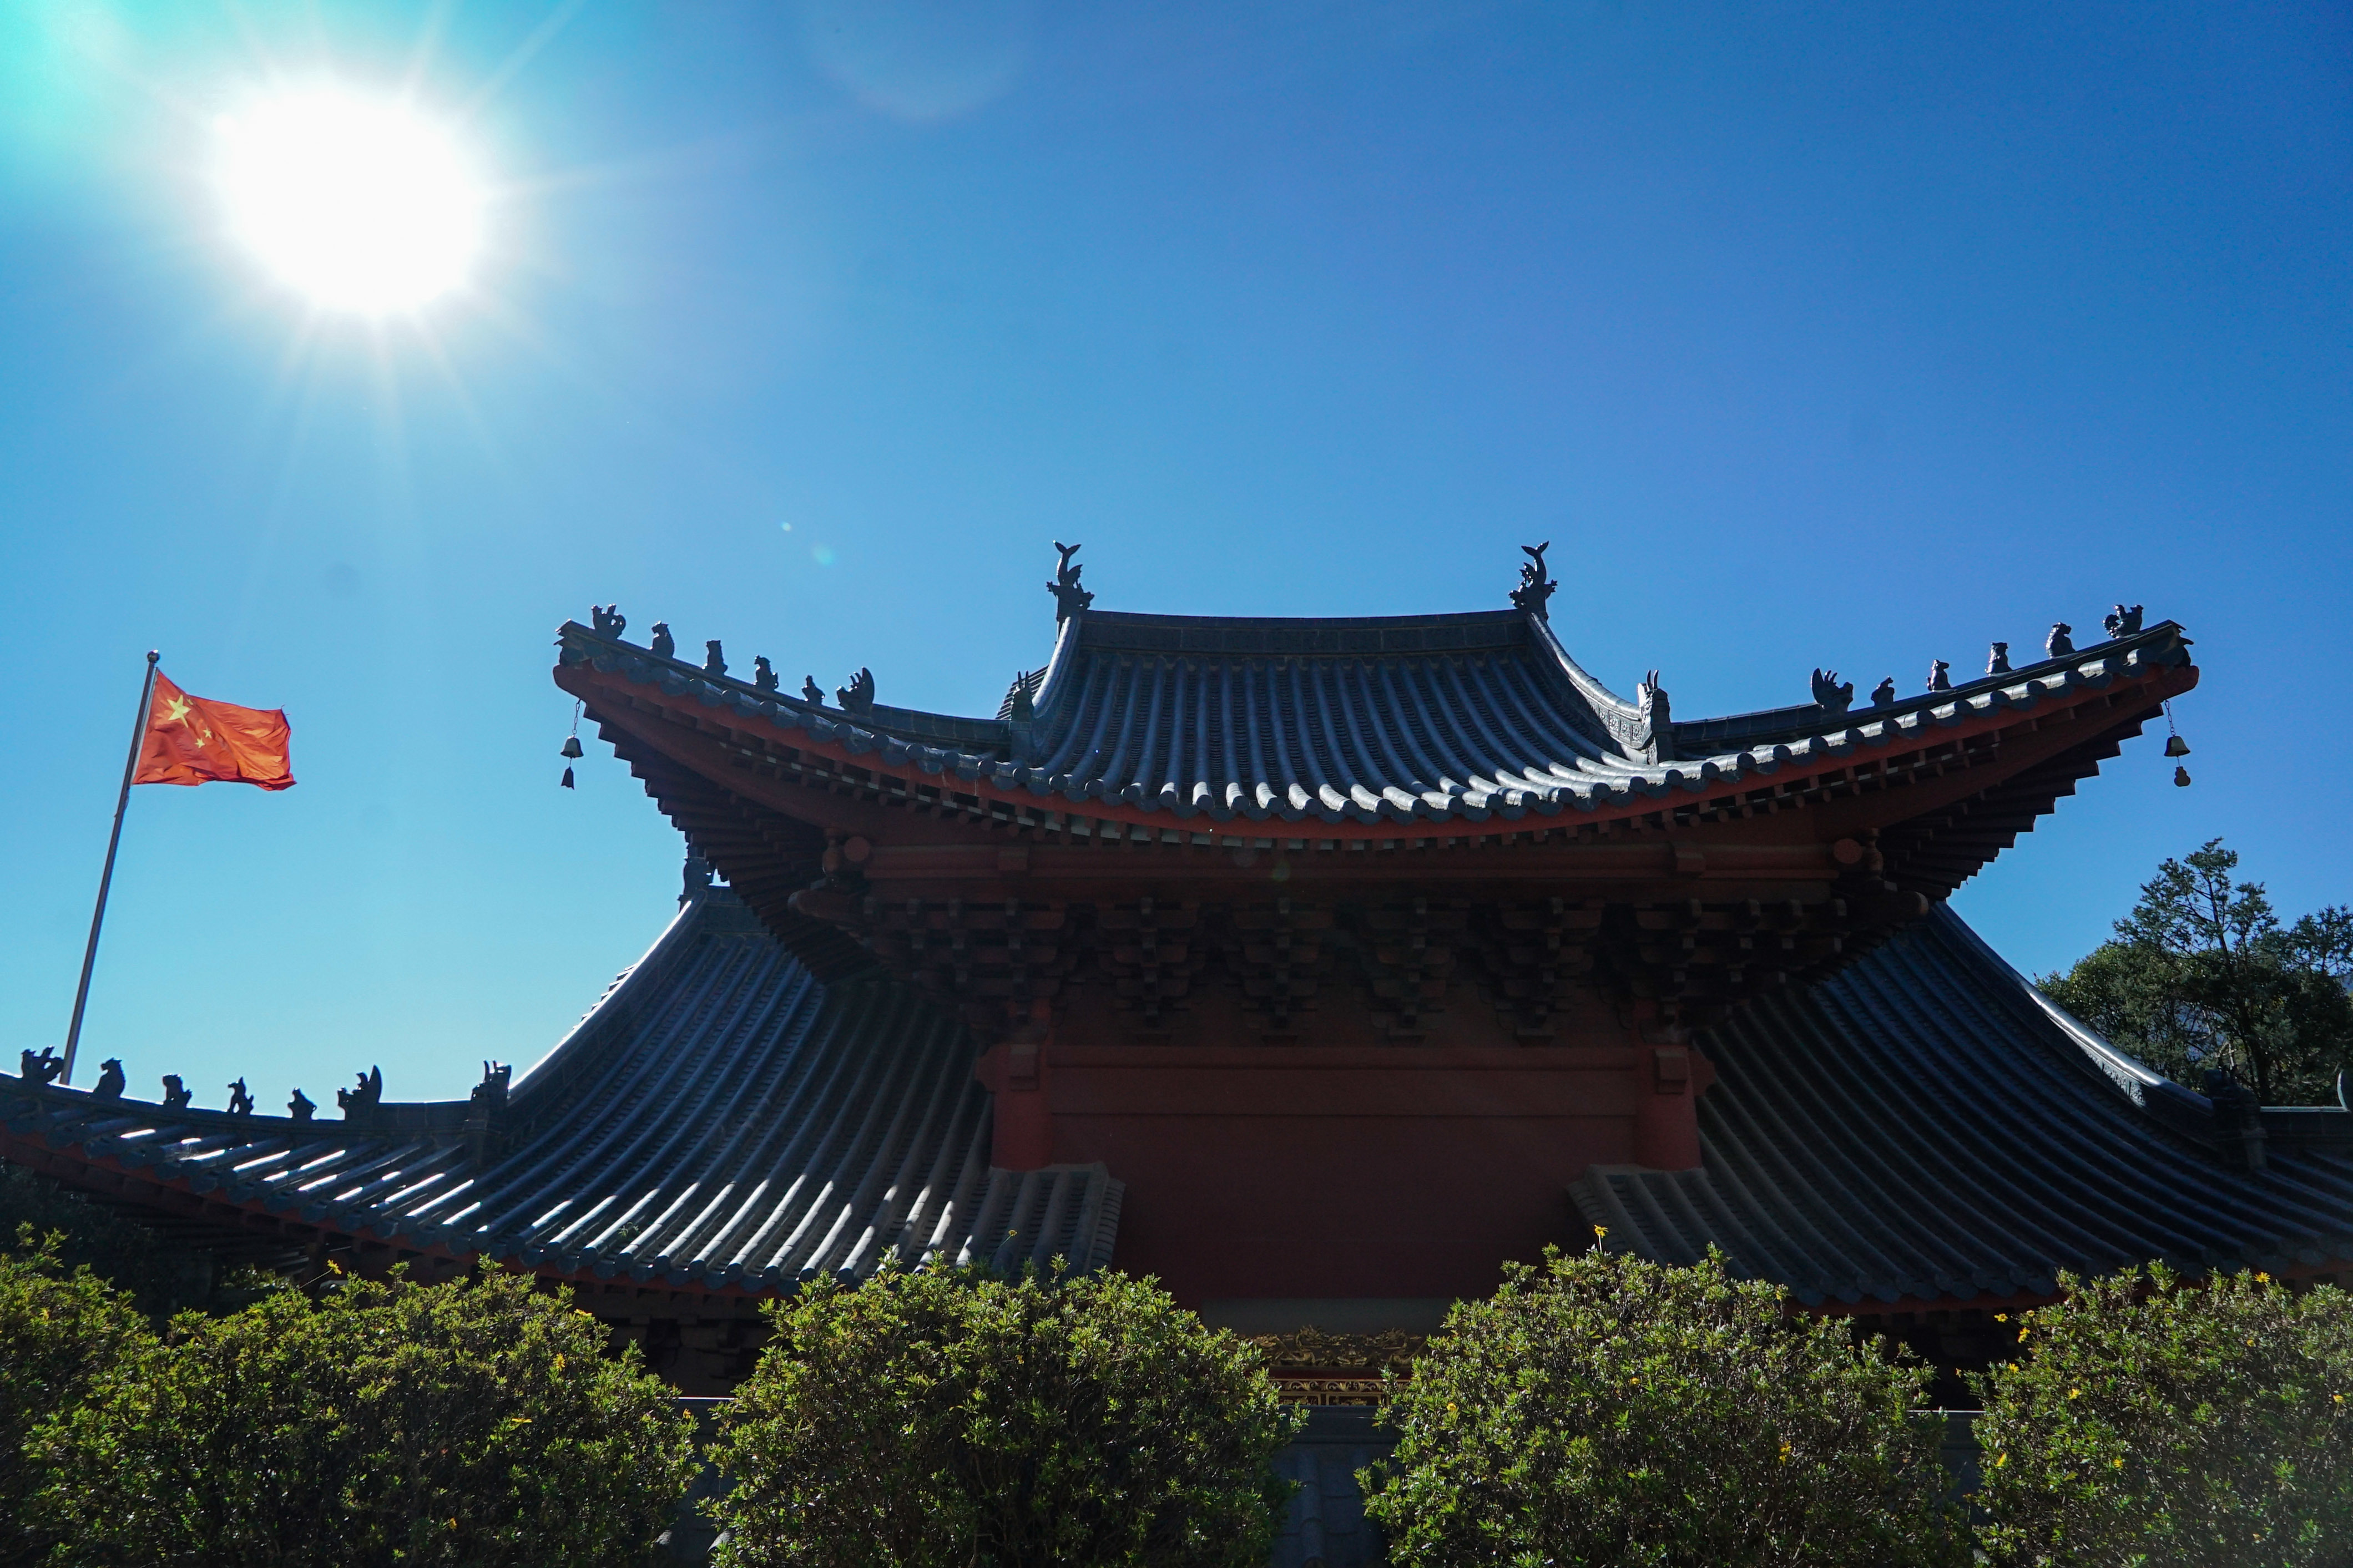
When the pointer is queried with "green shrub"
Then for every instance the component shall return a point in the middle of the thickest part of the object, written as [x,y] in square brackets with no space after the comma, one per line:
[474,1424]
[2149,1423]
[943,1417]
[1607,1411]
[163,1275]
[59,1333]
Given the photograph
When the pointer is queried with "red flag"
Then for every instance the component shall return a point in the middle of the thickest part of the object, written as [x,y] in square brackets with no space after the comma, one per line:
[193,740]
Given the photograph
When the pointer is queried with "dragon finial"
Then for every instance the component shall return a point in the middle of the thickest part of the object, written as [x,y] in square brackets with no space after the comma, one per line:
[1534,587]
[1068,597]
[1658,719]
[1829,695]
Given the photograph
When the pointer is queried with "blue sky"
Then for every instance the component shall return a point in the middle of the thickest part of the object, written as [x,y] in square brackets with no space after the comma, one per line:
[1854,336]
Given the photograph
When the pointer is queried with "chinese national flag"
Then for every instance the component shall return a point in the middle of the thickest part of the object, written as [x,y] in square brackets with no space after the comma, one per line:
[193,740]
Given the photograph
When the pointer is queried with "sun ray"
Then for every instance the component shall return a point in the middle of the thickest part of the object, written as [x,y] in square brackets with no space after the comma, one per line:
[520,57]
[429,33]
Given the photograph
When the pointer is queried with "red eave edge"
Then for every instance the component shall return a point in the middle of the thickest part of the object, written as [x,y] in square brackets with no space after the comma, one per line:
[2162,683]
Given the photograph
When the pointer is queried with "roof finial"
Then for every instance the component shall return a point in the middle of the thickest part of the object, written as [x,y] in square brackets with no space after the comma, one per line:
[1068,597]
[715,662]
[1535,587]
[1022,698]
[2059,645]
[355,1103]
[609,620]
[1829,695]
[664,646]
[1939,674]
[2124,621]
[1997,661]
[1658,719]
[857,696]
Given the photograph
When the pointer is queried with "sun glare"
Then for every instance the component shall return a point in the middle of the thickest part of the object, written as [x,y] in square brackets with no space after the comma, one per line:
[358,203]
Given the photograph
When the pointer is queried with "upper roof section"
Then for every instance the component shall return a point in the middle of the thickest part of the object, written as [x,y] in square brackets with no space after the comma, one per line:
[1364,720]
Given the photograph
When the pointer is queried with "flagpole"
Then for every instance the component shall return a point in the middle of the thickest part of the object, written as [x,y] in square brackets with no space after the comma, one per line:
[106,878]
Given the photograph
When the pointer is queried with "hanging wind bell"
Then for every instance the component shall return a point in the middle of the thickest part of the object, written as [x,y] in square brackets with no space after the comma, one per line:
[2175,746]
[571,747]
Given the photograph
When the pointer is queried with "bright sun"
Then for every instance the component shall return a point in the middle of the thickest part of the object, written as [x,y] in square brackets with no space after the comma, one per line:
[356,202]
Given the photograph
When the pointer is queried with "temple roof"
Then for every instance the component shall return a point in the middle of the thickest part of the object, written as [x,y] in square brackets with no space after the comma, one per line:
[719,1121]
[1927,1126]
[1924,1127]
[1385,720]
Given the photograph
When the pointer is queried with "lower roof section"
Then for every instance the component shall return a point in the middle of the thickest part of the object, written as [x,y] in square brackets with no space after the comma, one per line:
[1925,1128]
[719,1121]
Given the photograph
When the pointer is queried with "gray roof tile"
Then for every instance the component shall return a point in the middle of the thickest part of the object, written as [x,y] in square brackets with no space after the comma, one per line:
[718,1120]
[1470,715]
[1926,1124]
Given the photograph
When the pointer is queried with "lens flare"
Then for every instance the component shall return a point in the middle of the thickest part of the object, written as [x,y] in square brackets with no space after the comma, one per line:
[357,203]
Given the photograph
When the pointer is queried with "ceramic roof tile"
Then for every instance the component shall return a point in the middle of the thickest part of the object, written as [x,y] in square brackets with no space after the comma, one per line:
[1924,1124]
[1397,719]
[719,1118]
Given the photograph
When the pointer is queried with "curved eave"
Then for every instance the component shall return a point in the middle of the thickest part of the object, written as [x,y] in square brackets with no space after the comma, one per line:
[722,1123]
[1924,1130]
[2147,668]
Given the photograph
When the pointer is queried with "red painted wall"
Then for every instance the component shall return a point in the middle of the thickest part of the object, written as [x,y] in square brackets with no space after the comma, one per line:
[1298,1169]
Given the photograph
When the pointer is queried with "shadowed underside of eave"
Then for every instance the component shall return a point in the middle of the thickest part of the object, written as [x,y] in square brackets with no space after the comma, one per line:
[742,815]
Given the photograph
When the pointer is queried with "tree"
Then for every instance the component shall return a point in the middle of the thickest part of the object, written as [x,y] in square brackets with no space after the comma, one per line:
[471,1423]
[2201,976]
[60,1333]
[1604,1411]
[2150,1422]
[945,1416]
